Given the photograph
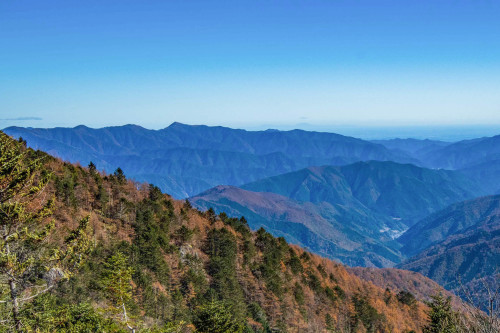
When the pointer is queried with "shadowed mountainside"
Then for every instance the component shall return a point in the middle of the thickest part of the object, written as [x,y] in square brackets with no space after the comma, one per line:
[350,213]
[457,246]
[419,149]
[453,220]
[465,154]
[404,192]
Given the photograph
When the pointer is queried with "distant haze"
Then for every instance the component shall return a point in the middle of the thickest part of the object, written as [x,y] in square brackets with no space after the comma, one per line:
[444,133]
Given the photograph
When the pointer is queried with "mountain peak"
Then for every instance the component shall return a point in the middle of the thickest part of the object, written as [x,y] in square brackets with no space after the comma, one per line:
[81,127]
[177,124]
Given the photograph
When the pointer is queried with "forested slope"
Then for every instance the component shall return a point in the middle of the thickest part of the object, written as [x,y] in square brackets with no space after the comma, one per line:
[180,268]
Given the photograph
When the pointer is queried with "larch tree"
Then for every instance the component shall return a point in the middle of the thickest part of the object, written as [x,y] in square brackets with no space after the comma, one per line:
[28,267]
[117,280]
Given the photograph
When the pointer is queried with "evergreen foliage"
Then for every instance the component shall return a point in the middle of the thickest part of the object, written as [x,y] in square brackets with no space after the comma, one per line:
[295,263]
[442,319]
[214,317]
[222,249]
[151,238]
[298,293]
[117,281]
[273,250]
[329,322]
[406,297]
[49,314]
[366,314]
[120,176]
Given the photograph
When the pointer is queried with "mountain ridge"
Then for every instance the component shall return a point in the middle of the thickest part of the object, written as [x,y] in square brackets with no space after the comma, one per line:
[111,147]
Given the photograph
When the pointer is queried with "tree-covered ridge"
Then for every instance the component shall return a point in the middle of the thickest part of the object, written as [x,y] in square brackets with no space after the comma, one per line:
[459,248]
[158,265]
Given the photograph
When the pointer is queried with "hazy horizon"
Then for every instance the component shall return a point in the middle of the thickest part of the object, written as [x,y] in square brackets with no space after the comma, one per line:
[441,133]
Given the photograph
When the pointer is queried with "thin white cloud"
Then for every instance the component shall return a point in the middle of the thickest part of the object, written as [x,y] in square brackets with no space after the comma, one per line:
[22,119]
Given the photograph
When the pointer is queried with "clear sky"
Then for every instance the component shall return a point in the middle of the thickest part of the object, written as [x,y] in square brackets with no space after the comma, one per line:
[249,63]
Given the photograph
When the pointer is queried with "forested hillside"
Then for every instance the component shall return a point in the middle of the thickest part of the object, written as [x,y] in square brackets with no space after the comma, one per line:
[154,263]
[454,220]
[459,247]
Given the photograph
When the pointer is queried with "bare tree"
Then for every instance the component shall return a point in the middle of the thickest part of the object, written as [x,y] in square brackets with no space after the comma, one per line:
[481,312]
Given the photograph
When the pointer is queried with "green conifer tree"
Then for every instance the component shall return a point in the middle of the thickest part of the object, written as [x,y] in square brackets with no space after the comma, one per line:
[120,176]
[441,316]
[215,317]
[329,323]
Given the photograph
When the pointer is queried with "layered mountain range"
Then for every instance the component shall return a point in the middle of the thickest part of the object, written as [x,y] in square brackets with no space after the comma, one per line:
[418,204]
[478,159]
[185,160]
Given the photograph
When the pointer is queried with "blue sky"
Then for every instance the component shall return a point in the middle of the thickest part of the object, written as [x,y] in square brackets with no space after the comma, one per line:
[250,63]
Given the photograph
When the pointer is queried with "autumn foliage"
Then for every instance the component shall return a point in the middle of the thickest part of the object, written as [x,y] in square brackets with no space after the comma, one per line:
[159,265]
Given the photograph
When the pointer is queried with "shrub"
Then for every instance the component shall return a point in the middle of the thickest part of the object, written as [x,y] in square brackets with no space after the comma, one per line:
[406,297]
[298,293]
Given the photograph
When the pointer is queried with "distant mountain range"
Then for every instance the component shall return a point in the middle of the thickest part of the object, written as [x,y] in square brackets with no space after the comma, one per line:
[351,213]
[465,154]
[418,149]
[478,159]
[185,160]
[447,155]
